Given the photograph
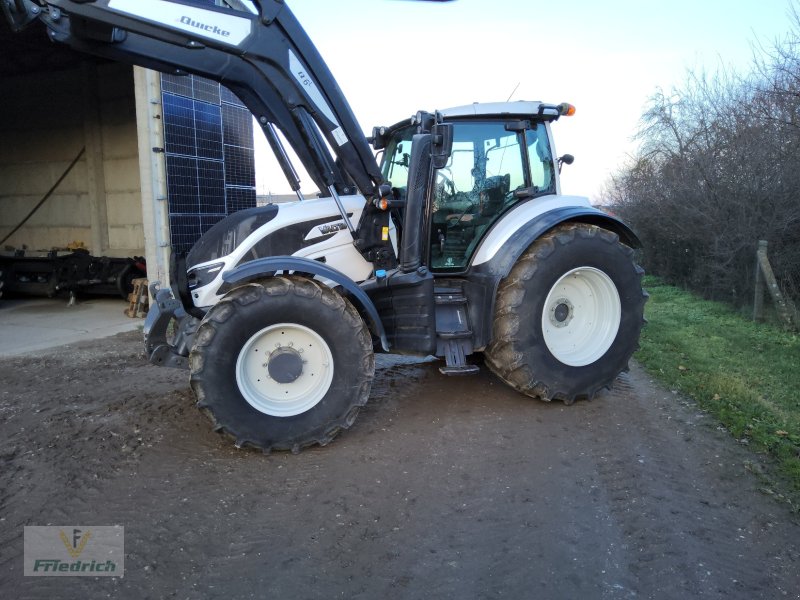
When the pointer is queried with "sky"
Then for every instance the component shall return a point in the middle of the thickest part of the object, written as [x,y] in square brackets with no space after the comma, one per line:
[606,57]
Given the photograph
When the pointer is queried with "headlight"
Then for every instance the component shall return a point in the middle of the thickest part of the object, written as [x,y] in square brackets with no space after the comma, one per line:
[204,275]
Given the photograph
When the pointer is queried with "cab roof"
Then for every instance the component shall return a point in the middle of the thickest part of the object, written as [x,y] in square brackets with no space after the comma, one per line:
[519,108]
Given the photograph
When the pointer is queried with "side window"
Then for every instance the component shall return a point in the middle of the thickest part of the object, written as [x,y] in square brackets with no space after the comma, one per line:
[397,166]
[397,157]
[473,190]
[503,158]
[541,159]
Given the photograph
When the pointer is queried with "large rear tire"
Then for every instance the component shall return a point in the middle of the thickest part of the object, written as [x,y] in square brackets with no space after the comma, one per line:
[282,364]
[568,316]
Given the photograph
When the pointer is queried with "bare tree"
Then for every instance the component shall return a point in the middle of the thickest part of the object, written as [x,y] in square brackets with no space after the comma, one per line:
[718,169]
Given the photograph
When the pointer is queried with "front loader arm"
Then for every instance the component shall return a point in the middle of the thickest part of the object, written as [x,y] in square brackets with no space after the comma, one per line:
[267,59]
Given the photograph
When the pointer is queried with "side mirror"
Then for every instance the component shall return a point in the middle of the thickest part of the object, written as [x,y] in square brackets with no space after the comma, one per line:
[441,144]
[566,159]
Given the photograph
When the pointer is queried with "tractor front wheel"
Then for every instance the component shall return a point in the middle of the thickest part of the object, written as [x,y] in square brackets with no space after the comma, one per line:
[282,364]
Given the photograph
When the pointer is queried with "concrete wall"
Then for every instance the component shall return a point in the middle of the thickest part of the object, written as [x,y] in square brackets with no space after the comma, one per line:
[45,120]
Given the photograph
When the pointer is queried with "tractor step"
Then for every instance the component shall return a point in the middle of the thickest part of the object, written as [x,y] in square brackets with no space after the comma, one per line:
[456,358]
[453,332]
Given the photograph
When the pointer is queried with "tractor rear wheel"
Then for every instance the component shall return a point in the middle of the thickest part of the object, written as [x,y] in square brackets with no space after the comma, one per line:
[282,364]
[568,316]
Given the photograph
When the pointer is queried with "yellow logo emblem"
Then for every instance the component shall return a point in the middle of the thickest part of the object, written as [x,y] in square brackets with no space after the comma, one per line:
[78,542]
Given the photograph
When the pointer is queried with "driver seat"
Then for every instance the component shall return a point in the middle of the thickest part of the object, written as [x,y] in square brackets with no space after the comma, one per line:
[493,195]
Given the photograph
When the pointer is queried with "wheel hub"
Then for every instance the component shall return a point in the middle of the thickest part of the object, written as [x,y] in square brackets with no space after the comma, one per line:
[285,365]
[284,369]
[561,312]
[581,316]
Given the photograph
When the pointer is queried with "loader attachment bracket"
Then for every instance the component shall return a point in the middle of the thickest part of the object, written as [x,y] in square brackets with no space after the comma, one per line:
[20,13]
[164,310]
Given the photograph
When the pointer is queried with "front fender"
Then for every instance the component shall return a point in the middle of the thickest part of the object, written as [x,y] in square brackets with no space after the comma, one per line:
[268,267]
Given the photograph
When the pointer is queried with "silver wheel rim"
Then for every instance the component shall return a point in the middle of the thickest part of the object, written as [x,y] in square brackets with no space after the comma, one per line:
[304,348]
[581,316]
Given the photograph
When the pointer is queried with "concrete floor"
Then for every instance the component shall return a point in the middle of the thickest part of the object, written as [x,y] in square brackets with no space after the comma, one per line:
[28,325]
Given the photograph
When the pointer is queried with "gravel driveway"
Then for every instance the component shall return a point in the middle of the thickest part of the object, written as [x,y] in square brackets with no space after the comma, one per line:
[444,488]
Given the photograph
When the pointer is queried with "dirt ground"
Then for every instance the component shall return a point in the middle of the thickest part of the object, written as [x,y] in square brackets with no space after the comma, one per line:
[444,488]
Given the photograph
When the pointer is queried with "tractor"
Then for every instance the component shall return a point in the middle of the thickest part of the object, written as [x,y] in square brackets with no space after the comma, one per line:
[445,234]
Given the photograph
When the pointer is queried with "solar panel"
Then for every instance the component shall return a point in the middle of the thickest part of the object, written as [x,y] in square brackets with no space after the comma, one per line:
[182,190]
[179,129]
[228,96]
[239,167]
[177,84]
[211,187]
[208,128]
[208,143]
[240,198]
[206,90]
[237,126]
[184,231]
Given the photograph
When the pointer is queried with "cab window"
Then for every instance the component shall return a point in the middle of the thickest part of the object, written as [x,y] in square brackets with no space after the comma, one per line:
[541,160]
[487,164]
[397,157]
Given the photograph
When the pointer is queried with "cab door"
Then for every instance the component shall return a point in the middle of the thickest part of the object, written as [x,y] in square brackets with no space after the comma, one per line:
[493,166]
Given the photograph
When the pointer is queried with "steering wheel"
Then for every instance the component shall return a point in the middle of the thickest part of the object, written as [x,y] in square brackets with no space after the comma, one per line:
[454,220]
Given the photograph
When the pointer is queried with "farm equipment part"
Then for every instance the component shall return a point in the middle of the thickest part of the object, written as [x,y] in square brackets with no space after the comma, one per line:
[456,242]
[75,272]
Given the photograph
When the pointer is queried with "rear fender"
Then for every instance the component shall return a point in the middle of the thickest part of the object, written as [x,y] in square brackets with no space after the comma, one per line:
[268,267]
[499,258]
[485,276]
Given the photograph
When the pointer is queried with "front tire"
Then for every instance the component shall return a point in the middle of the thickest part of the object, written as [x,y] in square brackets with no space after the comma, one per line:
[282,364]
[568,316]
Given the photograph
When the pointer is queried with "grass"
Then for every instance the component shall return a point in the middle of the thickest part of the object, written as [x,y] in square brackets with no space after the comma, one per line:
[746,374]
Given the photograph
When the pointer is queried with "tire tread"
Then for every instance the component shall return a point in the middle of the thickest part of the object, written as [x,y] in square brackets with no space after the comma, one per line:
[280,286]
[503,356]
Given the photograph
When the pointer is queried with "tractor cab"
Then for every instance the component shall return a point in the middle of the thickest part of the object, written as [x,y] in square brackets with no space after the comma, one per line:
[501,156]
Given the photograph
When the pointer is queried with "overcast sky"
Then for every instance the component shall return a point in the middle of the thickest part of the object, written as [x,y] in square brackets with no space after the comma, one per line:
[607,57]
